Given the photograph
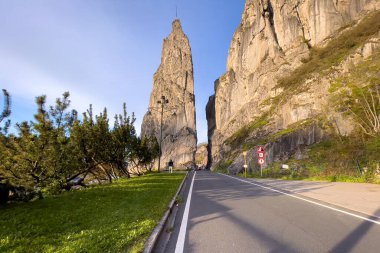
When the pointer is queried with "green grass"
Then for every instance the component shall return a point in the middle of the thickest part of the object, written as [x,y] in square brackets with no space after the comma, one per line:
[118,217]
[308,173]
[337,178]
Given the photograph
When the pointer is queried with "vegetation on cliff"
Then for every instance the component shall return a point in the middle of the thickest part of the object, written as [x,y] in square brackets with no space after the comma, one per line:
[240,136]
[351,158]
[355,96]
[322,59]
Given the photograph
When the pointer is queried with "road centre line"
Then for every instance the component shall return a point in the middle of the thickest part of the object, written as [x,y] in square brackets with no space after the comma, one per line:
[304,199]
[182,232]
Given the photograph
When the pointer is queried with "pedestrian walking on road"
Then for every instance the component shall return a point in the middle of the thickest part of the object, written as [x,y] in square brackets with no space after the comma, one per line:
[171,164]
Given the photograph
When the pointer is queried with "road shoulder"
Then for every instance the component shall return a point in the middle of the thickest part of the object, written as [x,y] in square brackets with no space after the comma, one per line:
[358,197]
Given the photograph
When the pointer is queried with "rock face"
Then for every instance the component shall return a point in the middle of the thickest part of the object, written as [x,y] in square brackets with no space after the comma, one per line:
[201,156]
[292,144]
[174,79]
[272,40]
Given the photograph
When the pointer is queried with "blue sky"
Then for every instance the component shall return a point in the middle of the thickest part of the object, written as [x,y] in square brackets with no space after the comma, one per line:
[105,52]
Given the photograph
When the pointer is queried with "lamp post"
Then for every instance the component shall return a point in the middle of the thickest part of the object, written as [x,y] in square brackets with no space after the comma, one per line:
[161,108]
[245,163]
[163,100]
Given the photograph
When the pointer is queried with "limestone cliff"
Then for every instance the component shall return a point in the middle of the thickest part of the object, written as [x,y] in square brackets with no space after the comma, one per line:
[274,40]
[174,79]
[201,156]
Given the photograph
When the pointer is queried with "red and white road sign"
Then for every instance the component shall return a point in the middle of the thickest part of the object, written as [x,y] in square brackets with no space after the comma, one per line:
[261,155]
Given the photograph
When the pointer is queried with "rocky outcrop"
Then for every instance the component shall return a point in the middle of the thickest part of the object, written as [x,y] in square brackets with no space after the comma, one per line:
[293,144]
[201,156]
[273,39]
[174,80]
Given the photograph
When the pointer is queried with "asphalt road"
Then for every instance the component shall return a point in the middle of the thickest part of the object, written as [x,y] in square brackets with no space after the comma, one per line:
[228,215]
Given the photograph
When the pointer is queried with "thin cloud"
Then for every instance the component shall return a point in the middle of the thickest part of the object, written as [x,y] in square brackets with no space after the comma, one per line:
[23,79]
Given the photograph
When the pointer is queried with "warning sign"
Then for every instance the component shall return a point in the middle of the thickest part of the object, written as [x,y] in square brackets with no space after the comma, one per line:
[261,155]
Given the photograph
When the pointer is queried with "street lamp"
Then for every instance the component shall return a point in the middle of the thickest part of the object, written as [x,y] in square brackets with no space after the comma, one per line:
[161,102]
[245,163]
[161,108]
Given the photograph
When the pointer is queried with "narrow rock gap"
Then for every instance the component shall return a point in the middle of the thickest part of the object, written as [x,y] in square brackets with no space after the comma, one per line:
[184,96]
[307,41]
[271,21]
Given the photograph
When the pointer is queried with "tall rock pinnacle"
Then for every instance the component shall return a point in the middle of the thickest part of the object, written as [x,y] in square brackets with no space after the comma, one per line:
[174,79]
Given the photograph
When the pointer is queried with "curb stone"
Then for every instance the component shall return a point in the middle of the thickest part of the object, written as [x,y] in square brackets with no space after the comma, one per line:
[153,238]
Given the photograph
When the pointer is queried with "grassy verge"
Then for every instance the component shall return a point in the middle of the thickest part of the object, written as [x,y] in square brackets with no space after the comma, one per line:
[337,178]
[108,218]
[345,159]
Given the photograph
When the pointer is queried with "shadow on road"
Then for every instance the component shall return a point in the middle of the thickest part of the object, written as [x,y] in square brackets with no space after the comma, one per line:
[294,186]
[207,193]
[238,216]
[349,242]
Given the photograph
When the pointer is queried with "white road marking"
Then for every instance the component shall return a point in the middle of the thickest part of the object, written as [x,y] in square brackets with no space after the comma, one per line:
[310,201]
[182,232]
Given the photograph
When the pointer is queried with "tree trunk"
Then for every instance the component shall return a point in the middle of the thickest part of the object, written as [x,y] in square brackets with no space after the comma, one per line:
[4,193]
[124,170]
[106,172]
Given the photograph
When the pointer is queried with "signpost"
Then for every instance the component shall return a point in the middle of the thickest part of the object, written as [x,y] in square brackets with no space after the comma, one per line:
[245,163]
[261,158]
